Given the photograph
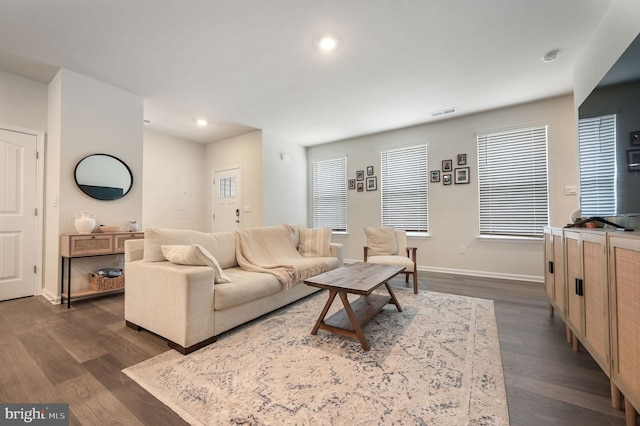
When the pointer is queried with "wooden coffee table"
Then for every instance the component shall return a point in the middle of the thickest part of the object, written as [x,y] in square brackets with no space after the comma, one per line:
[358,278]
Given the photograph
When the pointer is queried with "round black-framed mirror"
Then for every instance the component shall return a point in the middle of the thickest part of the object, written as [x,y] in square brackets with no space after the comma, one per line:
[103,177]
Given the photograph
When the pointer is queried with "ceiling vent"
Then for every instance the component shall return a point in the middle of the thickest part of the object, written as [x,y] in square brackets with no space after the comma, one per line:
[443,112]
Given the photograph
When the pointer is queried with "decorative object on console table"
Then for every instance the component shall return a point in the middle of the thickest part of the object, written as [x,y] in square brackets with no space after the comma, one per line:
[85,222]
[81,245]
[98,283]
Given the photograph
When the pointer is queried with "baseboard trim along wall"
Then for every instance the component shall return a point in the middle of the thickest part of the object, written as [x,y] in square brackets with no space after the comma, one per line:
[481,274]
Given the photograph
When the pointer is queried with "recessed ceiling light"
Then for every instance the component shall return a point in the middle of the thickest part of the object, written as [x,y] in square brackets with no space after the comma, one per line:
[327,43]
[202,122]
[550,56]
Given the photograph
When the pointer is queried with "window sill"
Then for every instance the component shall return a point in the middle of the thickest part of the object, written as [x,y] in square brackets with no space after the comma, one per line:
[509,239]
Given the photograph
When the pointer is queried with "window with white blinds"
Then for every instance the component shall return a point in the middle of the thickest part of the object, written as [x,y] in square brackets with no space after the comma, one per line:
[597,143]
[330,194]
[404,188]
[512,182]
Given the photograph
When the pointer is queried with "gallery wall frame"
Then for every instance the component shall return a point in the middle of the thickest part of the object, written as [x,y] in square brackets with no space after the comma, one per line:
[372,183]
[461,175]
[435,176]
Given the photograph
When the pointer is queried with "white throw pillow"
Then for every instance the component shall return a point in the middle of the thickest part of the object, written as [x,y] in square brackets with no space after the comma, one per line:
[315,242]
[381,241]
[194,255]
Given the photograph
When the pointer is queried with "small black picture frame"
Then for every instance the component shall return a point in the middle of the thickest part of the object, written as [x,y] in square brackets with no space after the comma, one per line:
[360,186]
[461,175]
[360,175]
[635,137]
[633,160]
[462,159]
[370,171]
[352,183]
[435,175]
[372,183]
[447,165]
[446,179]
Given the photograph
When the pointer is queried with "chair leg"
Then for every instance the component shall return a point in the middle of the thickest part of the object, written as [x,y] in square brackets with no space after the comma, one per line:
[415,282]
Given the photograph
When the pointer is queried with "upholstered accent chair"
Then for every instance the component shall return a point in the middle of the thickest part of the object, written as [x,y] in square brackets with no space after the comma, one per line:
[388,246]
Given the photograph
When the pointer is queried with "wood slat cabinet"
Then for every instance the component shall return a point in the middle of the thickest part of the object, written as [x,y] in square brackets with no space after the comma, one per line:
[555,280]
[575,306]
[602,283]
[624,290]
[595,289]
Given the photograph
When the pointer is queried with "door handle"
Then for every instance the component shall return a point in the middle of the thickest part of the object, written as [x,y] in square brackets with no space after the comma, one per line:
[237,215]
[579,287]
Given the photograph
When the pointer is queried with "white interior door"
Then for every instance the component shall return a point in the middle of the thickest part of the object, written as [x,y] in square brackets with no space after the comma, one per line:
[227,200]
[17,214]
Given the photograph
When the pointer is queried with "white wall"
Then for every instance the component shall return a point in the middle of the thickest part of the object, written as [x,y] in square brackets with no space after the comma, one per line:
[284,184]
[87,117]
[453,210]
[23,102]
[242,151]
[170,163]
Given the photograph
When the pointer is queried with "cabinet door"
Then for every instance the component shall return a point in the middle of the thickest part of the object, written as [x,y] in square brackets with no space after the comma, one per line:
[560,283]
[624,264]
[121,238]
[574,280]
[85,245]
[595,334]
[549,267]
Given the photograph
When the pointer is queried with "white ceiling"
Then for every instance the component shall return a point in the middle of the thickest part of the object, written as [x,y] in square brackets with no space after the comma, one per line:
[254,64]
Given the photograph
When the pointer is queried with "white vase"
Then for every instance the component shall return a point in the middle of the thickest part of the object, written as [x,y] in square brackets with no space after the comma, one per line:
[85,222]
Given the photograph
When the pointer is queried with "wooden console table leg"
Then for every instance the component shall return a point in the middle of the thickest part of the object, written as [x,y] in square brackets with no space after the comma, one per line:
[616,396]
[332,295]
[576,343]
[550,310]
[569,335]
[354,321]
[630,413]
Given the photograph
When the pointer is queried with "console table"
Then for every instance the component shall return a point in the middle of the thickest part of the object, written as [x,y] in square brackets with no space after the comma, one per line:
[89,245]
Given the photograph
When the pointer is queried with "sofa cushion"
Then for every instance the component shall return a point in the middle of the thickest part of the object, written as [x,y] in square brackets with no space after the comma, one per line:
[195,255]
[381,241]
[245,286]
[221,245]
[315,242]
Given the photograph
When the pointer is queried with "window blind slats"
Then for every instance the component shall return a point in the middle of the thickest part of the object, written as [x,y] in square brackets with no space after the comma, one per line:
[404,188]
[330,194]
[596,141]
[513,190]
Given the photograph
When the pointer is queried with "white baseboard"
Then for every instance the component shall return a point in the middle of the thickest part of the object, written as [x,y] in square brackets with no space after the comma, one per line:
[482,274]
[51,297]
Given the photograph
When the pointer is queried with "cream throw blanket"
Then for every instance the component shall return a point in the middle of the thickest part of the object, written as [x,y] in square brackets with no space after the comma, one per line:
[271,250]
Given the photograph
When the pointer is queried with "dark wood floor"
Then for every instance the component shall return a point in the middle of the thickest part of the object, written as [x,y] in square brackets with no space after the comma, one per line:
[50,354]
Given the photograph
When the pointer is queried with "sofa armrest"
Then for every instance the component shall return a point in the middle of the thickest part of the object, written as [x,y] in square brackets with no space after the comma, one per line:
[173,301]
[337,250]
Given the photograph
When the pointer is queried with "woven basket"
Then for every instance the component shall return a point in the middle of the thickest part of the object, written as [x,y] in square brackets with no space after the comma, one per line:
[98,283]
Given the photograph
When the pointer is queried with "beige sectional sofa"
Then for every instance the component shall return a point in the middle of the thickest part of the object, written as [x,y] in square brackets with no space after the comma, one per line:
[255,271]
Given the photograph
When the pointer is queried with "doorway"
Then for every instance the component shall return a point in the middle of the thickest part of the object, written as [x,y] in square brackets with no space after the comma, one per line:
[227,200]
[20,223]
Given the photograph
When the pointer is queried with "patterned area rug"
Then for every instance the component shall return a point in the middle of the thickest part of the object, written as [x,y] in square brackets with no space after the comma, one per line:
[437,363]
